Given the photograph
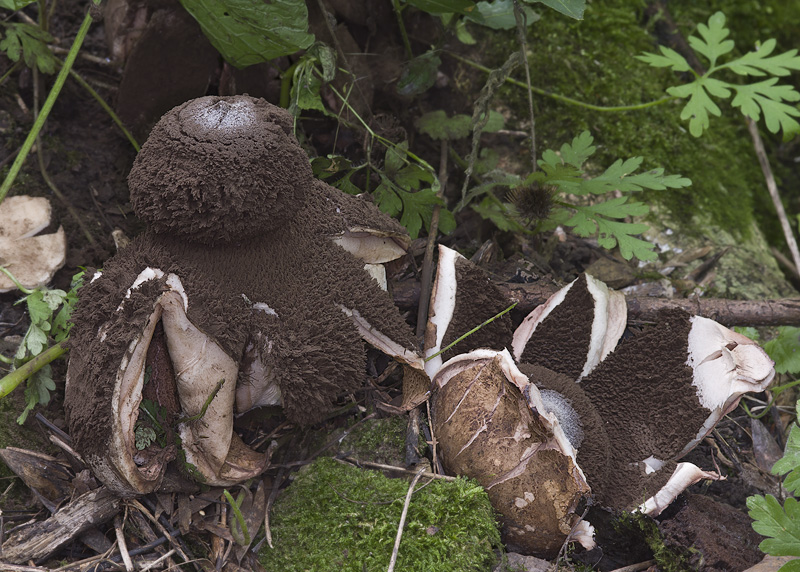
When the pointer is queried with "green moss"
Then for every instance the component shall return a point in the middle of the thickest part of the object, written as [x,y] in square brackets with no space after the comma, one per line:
[336,517]
[378,440]
[667,560]
[593,61]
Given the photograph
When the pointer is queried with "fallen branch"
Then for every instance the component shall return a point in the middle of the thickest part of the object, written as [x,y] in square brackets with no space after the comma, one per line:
[402,524]
[42,539]
[780,312]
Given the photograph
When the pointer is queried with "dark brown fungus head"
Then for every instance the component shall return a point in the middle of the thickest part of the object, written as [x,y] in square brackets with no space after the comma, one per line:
[220,169]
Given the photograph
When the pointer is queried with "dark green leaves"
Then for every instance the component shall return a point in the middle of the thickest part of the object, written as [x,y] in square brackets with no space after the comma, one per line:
[247,32]
[419,74]
[780,523]
[438,126]
[30,42]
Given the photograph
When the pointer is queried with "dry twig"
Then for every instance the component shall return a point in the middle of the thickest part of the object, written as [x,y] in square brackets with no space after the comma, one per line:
[402,524]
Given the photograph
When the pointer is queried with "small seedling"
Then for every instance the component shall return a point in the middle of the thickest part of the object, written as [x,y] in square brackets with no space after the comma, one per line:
[49,311]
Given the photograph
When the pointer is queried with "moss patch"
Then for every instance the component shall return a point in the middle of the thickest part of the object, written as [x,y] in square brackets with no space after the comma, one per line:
[336,517]
[378,440]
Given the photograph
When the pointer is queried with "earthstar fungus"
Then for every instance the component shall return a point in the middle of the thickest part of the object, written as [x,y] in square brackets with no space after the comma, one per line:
[577,409]
[248,288]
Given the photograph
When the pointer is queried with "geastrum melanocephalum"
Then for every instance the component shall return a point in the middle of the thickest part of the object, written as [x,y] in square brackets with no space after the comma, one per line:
[249,282]
[568,409]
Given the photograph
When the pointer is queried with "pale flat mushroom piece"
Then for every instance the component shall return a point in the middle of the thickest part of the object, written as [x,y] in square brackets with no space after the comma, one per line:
[371,246]
[33,260]
[23,216]
[684,476]
[443,304]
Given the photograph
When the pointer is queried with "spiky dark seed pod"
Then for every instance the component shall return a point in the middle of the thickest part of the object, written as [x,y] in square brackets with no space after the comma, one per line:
[533,202]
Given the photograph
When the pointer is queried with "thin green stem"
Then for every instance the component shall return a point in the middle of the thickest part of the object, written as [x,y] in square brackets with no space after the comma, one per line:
[398,10]
[286,85]
[472,331]
[11,70]
[47,107]
[13,379]
[114,117]
[565,99]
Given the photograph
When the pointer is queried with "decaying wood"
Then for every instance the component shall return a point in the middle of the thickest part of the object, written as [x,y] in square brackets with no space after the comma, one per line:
[41,539]
[780,312]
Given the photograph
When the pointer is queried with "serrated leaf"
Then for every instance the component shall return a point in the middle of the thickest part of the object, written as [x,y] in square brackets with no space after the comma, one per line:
[444,6]
[387,199]
[668,58]
[248,33]
[774,521]
[447,222]
[713,43]
[698,107]
[758,63]
[395,158]
[784,350]
[571,8]
[37,390]
[419,75]
[418,210]
[790,462]
[39,311]
[499,15]
[588,220]
[577,152]
[30,42]
[768,98]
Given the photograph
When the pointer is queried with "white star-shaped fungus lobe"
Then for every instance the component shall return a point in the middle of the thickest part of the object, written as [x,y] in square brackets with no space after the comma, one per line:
[32,258]
[487,430]
[198,364]
[726,365]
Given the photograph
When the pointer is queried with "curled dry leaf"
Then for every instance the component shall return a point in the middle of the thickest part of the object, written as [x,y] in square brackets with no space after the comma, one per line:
[622,413]
[32,258]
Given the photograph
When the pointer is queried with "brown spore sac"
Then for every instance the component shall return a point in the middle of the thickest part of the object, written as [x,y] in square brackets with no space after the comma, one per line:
[477,300]
[643,392]
[220,170]
[561,341]
[160,386]
[594,453]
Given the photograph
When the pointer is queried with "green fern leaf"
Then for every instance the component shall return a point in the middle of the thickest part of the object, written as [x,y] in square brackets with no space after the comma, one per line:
[713,43]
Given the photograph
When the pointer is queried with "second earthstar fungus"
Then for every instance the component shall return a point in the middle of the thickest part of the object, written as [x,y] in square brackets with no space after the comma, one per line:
[577,410]
[248,288]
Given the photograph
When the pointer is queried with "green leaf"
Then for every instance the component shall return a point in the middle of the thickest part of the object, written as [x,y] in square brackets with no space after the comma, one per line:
[575,153]
[784,350]
[499,215]
[499,15]
[591,219]
[768,98]
[419,75]
[15,5]
[757,62]
[247,32]
[780,524]
[438,126]
[791,566]
[395,158]
[463,34]
[668,58]
[698,107]
[31,42]
[37,391]
[713,43]
[571,8]
[790,462]
[443,6]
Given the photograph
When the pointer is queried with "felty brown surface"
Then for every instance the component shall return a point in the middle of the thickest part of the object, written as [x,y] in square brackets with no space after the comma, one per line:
[561,341]
[219,185]
[643,392]
[477,300]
